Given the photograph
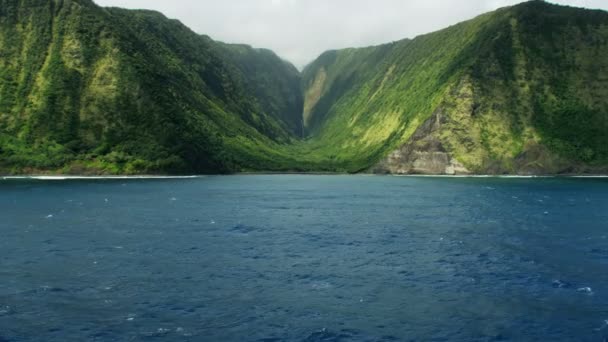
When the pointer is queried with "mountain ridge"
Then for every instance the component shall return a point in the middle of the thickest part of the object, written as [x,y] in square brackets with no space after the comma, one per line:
[487,57]
[158,94]
[520,90]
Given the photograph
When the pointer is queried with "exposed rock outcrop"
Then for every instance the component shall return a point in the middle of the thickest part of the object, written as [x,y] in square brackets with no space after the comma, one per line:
[423,154]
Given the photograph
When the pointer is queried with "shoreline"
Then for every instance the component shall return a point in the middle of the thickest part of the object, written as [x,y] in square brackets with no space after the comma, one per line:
[160,177]
[73,177]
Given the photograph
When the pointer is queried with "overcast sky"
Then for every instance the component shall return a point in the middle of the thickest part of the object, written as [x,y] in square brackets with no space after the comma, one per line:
[300,30]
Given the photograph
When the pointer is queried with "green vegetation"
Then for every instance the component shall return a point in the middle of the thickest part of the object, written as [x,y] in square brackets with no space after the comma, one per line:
[522,89]
[85,89]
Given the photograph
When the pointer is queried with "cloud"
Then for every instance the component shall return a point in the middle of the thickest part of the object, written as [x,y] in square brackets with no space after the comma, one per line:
[300,30]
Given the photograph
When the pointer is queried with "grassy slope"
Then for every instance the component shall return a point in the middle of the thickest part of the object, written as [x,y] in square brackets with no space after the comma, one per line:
[87,89]
[524,88]
[374,98]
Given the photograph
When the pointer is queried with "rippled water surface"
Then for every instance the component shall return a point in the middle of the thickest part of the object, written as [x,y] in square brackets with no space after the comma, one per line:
[304,258]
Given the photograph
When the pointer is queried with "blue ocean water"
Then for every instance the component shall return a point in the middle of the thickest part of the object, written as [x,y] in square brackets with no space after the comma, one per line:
[304,258]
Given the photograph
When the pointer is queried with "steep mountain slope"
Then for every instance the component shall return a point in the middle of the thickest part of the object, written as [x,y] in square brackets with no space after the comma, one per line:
[88,89]
[85,89]
[520,90]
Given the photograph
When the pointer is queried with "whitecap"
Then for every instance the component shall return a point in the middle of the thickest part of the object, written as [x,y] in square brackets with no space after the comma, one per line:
[469,176]
[560,284]
[320,285]
[591,176]
[108,177]
[603,326]
[163,331]
[67,178]
[586,290]
[50,216]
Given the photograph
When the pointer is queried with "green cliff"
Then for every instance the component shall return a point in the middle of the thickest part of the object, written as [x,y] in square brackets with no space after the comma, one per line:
[520,90]
[85,89]
[106,90]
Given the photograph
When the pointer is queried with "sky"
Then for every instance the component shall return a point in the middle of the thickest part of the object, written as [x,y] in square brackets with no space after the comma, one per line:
[300,30]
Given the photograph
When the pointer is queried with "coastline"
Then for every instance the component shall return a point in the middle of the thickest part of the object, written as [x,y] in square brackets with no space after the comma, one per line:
[161,177]
[75,177]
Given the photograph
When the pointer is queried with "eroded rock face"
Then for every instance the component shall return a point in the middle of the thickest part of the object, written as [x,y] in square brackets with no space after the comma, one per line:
[460,133]
[423,154]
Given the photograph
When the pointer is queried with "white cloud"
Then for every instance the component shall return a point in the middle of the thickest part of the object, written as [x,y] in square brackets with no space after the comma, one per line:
[300,30]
